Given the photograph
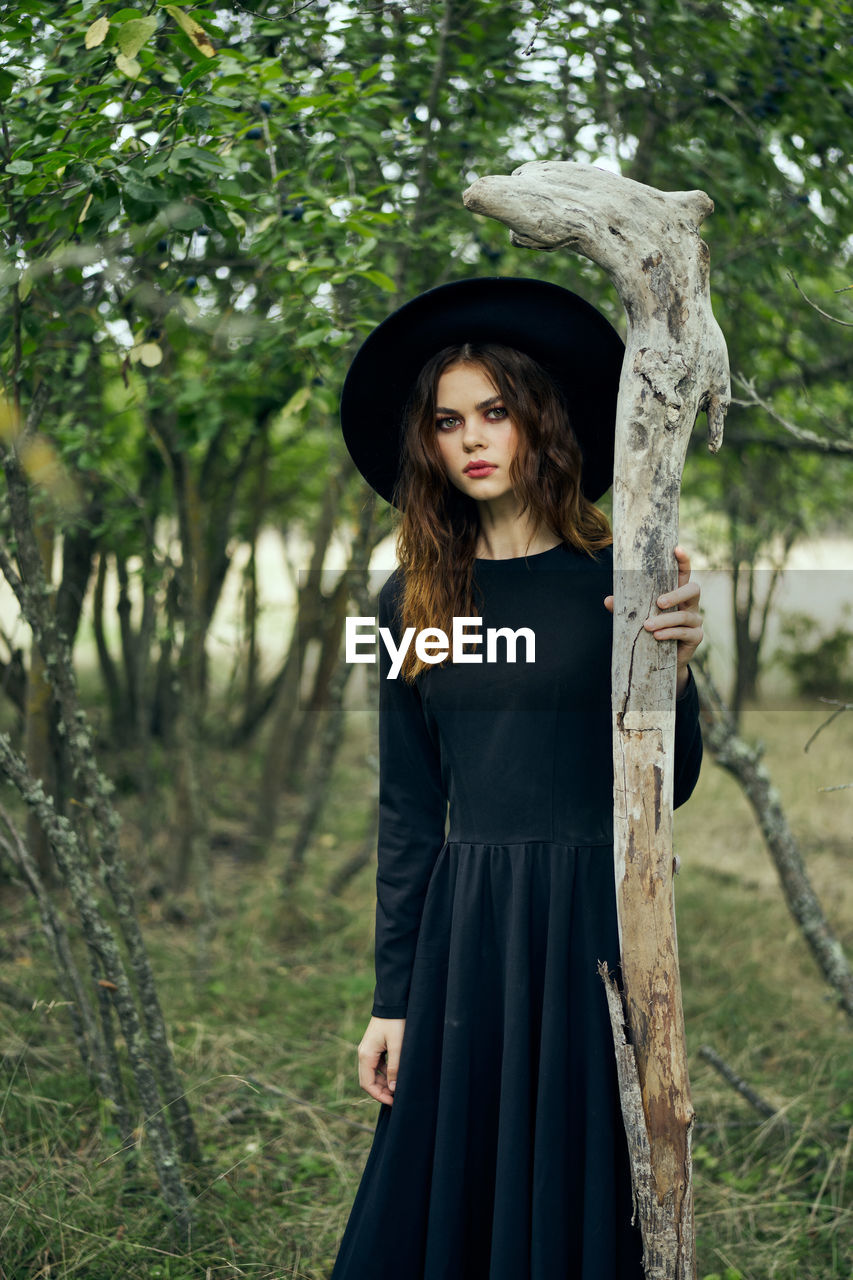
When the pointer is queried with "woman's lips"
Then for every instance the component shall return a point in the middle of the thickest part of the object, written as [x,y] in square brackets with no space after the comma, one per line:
[476,470]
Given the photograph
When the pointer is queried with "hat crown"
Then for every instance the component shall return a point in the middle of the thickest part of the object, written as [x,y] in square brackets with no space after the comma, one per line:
[566,335]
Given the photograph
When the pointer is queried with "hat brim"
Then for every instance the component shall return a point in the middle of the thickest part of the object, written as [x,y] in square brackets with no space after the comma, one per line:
[572,341]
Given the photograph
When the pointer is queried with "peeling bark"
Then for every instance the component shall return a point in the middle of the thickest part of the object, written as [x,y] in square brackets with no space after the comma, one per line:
[675,365]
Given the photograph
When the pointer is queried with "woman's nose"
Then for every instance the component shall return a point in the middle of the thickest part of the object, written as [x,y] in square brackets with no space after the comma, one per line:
[472,433]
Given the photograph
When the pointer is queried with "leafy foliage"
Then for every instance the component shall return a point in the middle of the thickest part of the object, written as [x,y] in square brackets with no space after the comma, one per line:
[208,209]
[821,666]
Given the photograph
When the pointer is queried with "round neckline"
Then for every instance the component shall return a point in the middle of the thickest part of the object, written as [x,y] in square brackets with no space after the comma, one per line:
[535,555]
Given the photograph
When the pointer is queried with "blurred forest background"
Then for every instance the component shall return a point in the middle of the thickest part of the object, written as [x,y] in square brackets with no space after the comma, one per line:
[204,210]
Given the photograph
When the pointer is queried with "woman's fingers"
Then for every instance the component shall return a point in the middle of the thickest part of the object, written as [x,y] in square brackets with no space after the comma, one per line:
[379,1057]
[670,624]
[683,623]
[393,1064]
[371,1076]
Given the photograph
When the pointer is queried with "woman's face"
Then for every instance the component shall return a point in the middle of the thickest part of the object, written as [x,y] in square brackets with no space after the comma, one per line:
[477,439]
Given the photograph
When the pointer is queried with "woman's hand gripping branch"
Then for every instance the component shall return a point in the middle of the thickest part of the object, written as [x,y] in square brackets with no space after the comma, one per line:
[684,625]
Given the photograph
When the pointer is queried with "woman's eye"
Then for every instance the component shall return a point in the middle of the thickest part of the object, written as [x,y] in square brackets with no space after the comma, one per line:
[446,424]
[499,410]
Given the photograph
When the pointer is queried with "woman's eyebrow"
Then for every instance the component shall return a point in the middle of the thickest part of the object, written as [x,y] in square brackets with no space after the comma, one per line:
[484,404]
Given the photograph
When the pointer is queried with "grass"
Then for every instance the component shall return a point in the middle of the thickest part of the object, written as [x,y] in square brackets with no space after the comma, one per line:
[265,1026]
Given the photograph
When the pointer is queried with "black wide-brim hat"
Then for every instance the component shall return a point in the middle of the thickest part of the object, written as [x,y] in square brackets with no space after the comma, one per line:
[572,341]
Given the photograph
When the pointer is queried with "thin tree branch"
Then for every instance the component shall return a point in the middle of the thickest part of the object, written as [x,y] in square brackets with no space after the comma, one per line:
[739,1085]
[848,324]
[743,761]
[839,708]
[802,434]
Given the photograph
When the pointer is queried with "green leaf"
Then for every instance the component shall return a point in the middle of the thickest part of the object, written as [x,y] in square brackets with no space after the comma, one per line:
[19,166]
[128,66]
[145,194]
[152,167]
[379,278]
[25,284]
[97,33]
[56,160]
[190,27]
[297,402]
[197,118]
[148,353]
[7,84]
[195,73]
[134,34]
[313,338]
[186,218]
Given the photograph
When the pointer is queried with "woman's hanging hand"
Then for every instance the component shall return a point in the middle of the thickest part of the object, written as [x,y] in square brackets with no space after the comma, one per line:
[683,625]
[379,1057]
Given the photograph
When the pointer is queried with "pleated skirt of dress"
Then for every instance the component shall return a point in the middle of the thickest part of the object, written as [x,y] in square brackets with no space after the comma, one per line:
[503,1156]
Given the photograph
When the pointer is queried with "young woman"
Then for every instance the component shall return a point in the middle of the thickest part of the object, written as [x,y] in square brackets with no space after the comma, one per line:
[485,410]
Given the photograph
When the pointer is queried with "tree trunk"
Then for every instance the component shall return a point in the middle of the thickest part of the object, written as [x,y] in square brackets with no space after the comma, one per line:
[308,608]
[41,761]
[164,708]
[749,637]
[675,364]
[80,1013]
[354,581]
[308,724]
[78,549]
[129,655]
[366,606]
[110,979]
[109,675]
[743,762]
[250,582]
[143,682]
[34,598]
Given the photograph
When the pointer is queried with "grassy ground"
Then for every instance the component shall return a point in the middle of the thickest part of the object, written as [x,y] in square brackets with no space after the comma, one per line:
[265,1028]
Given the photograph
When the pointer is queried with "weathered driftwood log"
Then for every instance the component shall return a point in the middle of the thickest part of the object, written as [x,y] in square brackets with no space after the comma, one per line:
[675,364]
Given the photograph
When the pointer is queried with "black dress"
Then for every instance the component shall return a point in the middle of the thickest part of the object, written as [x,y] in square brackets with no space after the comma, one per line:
[503,1156]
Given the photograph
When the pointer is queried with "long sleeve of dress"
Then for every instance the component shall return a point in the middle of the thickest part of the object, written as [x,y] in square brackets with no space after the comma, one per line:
[688,742]
[412,812]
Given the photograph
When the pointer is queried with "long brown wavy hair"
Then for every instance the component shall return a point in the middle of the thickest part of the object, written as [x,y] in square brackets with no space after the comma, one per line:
[439,526]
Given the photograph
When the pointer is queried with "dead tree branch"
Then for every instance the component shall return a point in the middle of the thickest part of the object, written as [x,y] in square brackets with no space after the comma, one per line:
[743,761]
[739,1085]
[802,434]
[848,324]
[675,365]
